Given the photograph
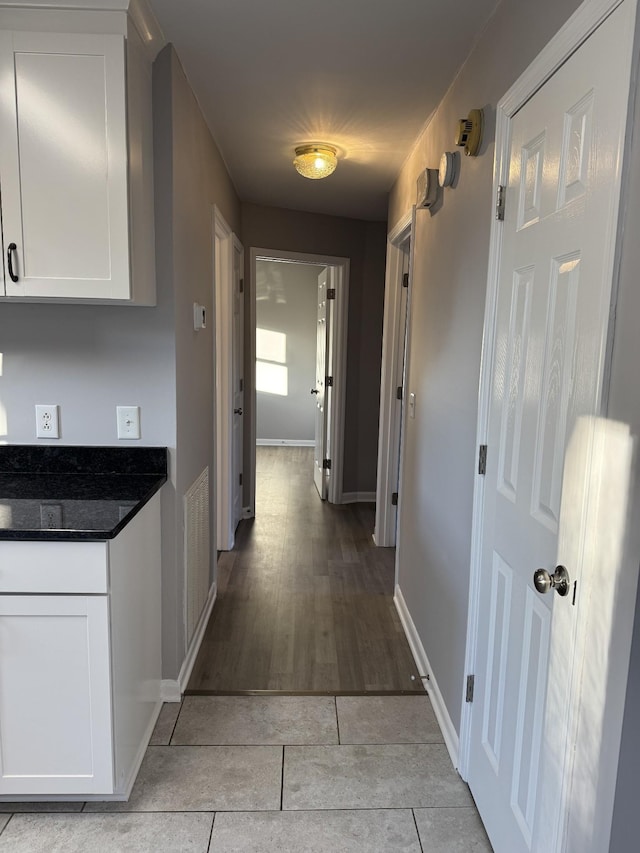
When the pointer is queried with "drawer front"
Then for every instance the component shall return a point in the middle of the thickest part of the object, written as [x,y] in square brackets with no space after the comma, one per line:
[54,567]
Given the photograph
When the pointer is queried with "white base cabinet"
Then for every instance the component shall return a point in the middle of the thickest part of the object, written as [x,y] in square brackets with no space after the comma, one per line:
[80,674]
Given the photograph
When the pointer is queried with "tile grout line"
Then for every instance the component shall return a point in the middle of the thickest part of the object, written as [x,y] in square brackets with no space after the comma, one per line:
[415,823]
[213,822]
[282,780]
[175,725]
[6,824]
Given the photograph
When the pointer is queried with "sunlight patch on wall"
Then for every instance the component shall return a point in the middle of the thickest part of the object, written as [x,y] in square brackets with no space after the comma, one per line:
[272,378]
[271,346]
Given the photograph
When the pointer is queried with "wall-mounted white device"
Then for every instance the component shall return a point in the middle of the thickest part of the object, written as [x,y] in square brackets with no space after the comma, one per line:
[427,188]
[47,421]
[128,418]
[199,317]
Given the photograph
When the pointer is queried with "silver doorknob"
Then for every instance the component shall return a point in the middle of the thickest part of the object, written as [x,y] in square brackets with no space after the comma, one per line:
[559,580]
[314,390]
[237,411]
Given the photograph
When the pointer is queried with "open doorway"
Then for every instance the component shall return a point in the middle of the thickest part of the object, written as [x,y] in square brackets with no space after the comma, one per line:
[297,356]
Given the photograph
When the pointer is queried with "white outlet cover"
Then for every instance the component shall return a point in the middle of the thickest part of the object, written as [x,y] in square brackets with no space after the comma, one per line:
[128,418]
[47,421]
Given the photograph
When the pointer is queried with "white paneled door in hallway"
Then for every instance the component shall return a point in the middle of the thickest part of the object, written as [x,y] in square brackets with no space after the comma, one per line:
[548,370]
[320,471]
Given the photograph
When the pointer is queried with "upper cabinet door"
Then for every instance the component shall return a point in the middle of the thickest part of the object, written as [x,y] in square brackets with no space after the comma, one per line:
[63,166]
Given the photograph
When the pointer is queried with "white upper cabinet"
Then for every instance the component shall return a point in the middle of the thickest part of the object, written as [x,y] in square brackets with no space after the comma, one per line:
[77,200]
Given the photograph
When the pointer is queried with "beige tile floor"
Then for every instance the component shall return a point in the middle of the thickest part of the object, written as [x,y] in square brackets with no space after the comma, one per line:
[279,773]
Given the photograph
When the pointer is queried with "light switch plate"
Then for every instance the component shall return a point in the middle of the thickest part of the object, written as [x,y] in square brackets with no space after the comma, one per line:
[128,418]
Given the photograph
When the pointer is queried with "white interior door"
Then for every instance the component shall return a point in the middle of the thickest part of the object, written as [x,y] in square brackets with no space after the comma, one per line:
[238,381]
[320,473]
[551,332]
[401,359]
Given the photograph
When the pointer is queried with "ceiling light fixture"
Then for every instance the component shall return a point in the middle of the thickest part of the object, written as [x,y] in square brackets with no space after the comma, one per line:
[315,161]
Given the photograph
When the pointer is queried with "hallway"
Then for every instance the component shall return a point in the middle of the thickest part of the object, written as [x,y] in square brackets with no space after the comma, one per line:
[305,599]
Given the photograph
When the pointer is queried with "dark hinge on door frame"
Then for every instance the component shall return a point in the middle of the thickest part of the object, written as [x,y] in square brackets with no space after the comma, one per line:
[326,464]
[331,293]
[399,392]
[500,203]
[482,459]
[242,385]
[394,499]
[328,381]
[470,686]
[240,479]
[241,285]
[405,279]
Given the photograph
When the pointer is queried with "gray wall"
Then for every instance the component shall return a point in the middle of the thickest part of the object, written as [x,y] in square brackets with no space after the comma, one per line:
[190,178]
[451,250]
[364,243]
[286,302]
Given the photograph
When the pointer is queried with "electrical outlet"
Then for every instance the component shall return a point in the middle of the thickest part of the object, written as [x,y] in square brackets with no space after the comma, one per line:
[51,516]
[47,421]
[128,421]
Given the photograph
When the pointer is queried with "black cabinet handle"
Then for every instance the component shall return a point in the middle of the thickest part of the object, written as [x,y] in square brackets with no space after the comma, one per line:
[12,248]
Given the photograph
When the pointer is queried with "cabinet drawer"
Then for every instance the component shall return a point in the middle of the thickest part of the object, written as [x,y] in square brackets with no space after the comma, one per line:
[54,567]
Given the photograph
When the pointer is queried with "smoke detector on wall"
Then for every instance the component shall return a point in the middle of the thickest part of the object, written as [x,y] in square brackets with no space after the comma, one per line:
[469,133]
[427,188]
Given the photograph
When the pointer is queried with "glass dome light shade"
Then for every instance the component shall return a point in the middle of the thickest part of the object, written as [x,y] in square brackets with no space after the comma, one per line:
[315,161]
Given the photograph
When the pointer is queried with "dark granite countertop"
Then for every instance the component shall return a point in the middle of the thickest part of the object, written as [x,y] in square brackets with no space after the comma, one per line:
[67,492]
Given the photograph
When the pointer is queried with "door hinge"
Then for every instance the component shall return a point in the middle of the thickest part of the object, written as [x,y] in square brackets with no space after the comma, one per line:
[500,203]
[326,464]
[405,279]
[394,499]
[242,385]
[482,459]
[331,293]
[328,381]
[241,285]
[470,685]
[240,479]
[399,392]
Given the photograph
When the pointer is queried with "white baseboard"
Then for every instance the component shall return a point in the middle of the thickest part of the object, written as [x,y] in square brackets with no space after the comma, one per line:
[172,690]
[449,733]
[285,442]
[358,498]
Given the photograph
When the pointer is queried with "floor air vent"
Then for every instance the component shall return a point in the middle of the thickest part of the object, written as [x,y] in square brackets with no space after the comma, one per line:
[196,533]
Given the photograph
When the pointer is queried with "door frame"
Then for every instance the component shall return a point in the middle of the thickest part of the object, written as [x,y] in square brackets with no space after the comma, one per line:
[337,353]
[569,38]
[384,533]
[223,246]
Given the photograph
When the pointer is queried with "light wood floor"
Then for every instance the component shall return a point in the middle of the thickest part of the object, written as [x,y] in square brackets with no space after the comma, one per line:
[305,599]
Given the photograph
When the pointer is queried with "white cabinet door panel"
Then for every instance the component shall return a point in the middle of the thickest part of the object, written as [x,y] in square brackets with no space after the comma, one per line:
[55,707]
[63,161]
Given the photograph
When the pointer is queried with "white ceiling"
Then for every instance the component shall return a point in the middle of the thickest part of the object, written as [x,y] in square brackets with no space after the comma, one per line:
[363,75]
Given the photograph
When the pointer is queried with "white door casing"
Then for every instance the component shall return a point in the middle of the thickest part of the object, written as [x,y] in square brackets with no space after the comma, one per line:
[238,379]
[337,359]
[547,323]
[225,284]
[322,475]
[394,339]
